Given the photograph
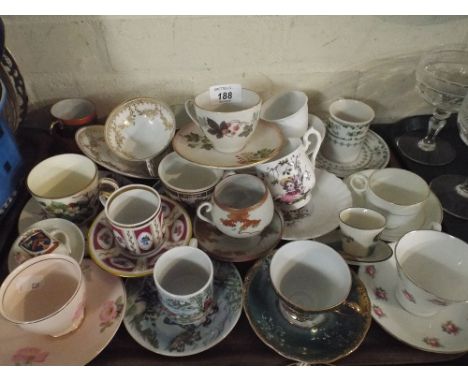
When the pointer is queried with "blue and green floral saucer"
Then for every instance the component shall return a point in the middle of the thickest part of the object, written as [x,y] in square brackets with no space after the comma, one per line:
[149,324]
[339,335]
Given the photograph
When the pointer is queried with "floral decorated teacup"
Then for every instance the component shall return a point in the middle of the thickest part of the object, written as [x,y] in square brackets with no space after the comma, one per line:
[228,126]
[67,186]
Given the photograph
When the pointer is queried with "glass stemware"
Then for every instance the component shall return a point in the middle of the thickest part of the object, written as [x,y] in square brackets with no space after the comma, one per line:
[442,80]
[452,190]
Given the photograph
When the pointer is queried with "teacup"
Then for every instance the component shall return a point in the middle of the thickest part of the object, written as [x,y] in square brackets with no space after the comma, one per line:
[71,114]
[67,186]
[37,242]
[228,126]
[348,125]
[359,230]
[310,278]
[45,295]
[290,176]
[432,270]
[135,215]
[397,194]
[184,280]
[186,182]
[241,206]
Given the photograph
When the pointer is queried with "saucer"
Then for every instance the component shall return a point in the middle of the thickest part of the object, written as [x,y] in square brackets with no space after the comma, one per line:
[105,308]
[264,144]
[446,332]
[90,140]
[429,218]
[380,251]
[77,240]
[374,154]
[109,256]
[320,215]
[226,248]
[340,334]
[149,325]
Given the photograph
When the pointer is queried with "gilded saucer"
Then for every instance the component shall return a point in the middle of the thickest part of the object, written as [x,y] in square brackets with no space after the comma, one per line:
[374,154]
[265,143]
[445,332]
[226,248]
[149,324]
[338,336]
[104,250]
[105,307]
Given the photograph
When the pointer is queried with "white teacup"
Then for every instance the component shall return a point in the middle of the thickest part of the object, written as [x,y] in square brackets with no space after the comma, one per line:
[45,295]
[290,176]
[184,280]
[228,126]
[433,271]
[397,194]
[348,125]
[359,229]
[241,206]
[309,278]
[185,181]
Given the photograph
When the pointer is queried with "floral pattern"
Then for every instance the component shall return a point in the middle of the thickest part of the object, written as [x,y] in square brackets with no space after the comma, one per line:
[370,270]
[408,296]
[254,157]
[29,356]
[450,328]
[229,129]
[433,342]
[240,221]
[378,311]
[109,312]
[380,293]
[198,141]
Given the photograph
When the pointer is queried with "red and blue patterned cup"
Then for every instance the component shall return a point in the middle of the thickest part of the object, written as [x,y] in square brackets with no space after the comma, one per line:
[135,215]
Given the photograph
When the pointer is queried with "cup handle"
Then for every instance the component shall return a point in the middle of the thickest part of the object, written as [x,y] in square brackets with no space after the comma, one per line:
[193,242]
[208,207]
[436,226]
[105,193]
[314,150]
[359,183]
[55,125]
[62,237]
[190,110]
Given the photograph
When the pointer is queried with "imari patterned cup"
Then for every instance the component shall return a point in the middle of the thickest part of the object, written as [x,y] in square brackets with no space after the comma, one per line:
[347,128]
[184,280]
[45,295]
[432,272]
[135,215]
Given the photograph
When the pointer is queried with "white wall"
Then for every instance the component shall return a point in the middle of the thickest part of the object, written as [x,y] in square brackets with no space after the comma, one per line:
[109,59]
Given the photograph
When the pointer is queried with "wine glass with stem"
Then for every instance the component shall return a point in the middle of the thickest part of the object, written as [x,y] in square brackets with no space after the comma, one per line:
[452,190]
[442,80]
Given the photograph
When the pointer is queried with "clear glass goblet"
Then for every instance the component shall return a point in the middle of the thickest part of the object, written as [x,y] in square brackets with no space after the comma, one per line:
[442,80]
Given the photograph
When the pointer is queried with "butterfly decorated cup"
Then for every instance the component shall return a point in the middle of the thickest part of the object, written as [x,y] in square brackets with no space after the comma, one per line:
[228,126]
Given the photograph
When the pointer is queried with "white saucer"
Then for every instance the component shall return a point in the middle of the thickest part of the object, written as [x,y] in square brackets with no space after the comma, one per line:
[90,140]
[105,309]
[320,216]
[77,240]
[264,144]
[374,154]
[446,332]
[149,324]
[430,217]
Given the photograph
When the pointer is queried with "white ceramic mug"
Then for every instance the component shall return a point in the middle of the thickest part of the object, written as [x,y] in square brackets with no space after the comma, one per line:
[359,229]
[184,280]
[309,278]
[348,125]
[45,295]
[432,272]
[397,194]
[135,214]
[186,182]
[67,186]
[228,126]
[291,175]
[241,206]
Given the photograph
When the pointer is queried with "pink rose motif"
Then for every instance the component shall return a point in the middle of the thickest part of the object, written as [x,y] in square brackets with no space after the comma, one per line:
[408,296]
[380,293]
[378,311]
[450,328]
[432,341]
[370,270]
[79,312]
[108,312]
[29,355]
